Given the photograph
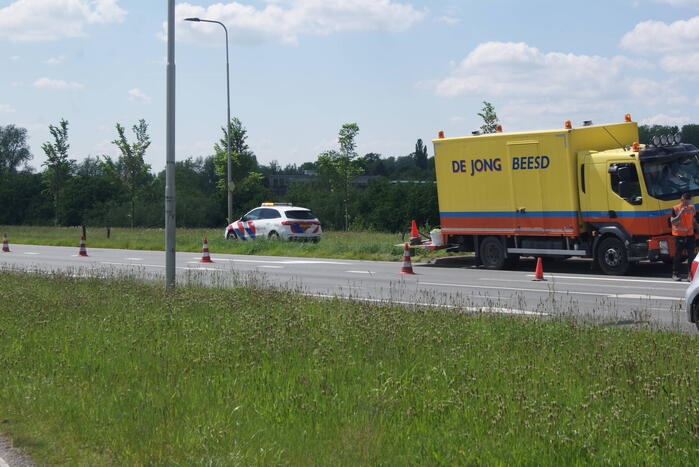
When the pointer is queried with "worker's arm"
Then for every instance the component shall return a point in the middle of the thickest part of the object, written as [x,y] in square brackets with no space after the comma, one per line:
[675,219]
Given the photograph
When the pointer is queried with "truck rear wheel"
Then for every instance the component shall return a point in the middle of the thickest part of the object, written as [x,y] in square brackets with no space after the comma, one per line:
[492,253]
[612,256]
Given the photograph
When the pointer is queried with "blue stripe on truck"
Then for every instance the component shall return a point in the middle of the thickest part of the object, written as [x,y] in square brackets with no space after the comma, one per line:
[660,213]
[510,214]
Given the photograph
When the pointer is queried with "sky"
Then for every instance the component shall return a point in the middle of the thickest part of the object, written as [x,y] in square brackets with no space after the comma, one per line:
[400,69]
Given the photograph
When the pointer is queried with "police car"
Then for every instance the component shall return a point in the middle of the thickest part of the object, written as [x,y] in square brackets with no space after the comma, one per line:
[276,220]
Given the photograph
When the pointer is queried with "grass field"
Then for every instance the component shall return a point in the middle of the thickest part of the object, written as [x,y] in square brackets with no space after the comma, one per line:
[343,245]
[116,372]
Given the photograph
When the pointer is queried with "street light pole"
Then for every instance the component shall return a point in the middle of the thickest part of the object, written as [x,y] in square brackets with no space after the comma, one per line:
[228,126]
[170,153]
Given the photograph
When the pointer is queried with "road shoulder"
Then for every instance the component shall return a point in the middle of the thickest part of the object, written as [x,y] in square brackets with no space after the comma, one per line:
[10,456]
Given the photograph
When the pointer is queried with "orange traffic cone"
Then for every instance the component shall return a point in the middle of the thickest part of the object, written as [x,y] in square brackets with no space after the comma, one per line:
[413,230]
[205,258]
[407,264]
[5,244]
[539,272]
[83,250]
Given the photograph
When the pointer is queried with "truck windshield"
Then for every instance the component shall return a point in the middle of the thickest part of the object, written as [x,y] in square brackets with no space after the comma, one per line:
[668,178]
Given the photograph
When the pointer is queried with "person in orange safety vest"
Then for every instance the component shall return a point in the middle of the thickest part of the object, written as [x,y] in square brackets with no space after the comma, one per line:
[684,226]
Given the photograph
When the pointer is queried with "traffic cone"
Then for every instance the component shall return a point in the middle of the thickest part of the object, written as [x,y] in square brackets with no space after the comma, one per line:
[83,250]
[413,230]
[5,244]
[414,236]
[407,264]
[539,272]
[205,258]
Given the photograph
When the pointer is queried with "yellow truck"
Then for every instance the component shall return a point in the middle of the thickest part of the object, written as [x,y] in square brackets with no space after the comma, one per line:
[591,191]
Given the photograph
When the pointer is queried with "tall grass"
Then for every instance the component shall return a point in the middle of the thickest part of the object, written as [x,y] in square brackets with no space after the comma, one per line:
[120,372]
[342,245]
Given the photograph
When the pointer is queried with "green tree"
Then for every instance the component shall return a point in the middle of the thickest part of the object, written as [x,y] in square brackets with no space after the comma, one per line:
[490,118]
[91,193]
[646,132]
[340,167]
[420,155]
[249,190]
[690,134]
[14,149]
[131,168]
[58,165]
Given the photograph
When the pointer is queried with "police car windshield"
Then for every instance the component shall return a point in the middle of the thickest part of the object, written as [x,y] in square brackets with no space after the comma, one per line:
[668,178]
[300,215]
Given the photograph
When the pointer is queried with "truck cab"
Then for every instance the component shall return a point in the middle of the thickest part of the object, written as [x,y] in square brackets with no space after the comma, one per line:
[626,198]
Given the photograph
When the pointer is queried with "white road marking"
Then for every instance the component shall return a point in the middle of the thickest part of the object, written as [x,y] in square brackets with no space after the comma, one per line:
[131,264]
[201,268]
[281,261]
[509,311]
[546,291]
[271,267]
[134,259]
[552,279]
[649,297]
[515,289]
[29,253]
[615,279]
[361,272]
[312,262]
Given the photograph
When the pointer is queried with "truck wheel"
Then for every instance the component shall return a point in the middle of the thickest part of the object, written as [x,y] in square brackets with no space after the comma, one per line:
[612,257]
[492,253]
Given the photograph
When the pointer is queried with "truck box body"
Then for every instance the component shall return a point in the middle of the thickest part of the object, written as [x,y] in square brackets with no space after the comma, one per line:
[518,183]
[590,192]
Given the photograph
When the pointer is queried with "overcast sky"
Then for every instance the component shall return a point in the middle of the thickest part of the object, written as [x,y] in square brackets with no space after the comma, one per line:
[401,69]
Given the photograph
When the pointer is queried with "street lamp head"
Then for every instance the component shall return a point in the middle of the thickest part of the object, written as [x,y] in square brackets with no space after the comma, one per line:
[192,19]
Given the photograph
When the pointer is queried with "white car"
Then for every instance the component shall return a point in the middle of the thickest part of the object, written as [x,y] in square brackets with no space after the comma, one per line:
[276,220]
[691,298]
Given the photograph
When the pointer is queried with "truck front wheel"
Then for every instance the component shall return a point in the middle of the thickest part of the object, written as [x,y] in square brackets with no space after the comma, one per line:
[612,256]
[492,253]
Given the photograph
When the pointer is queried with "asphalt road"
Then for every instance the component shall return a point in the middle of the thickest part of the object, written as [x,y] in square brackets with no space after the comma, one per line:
[646,296]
